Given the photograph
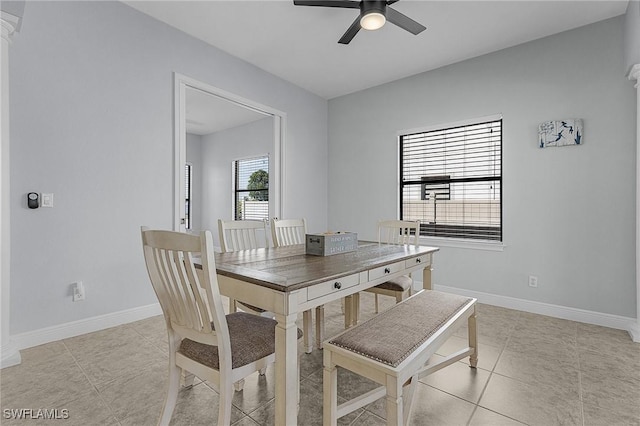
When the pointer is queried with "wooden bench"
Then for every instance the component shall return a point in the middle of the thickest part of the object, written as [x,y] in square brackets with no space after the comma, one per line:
[393,348]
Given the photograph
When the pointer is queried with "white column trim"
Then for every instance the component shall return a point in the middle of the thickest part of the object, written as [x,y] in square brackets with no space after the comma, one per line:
[9,351]
[634,74]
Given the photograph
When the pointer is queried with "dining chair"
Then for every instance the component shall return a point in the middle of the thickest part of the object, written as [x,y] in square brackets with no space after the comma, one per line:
[238,235]
[396,232]
[288,232]
[222,349]
[242,234]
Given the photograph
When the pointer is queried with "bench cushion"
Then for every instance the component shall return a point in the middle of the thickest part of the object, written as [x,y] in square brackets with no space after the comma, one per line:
[393,335]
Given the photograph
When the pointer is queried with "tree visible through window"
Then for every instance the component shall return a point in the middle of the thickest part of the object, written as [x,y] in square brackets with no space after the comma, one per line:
[451,180]
[251,189]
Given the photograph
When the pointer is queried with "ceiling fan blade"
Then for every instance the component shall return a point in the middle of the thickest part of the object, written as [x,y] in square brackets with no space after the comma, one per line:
[328,3]
[351,32]
[404,22]
[390,2]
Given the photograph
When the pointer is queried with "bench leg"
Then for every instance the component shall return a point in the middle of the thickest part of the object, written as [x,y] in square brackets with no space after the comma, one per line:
[329,390]
[473,339]
[395,405]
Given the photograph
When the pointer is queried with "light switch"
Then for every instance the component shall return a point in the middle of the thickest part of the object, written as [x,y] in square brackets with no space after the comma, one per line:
[47,200]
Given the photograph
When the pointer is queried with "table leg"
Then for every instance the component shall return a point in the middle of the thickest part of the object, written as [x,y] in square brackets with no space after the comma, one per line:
[287,384]
[319,326]
[307,326]
[426,275]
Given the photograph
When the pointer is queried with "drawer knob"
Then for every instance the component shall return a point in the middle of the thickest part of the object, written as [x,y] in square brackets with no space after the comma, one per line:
[387,270]
[337,285]
[418,260]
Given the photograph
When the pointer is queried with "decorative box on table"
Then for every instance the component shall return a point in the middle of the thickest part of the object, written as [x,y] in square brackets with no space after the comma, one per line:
[331,243]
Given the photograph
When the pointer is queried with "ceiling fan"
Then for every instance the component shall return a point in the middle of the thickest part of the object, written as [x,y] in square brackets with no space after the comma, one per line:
[373,15]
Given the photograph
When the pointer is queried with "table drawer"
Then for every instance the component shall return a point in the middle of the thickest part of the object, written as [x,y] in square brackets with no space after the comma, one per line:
[328,287]
[417,261]
[386,270]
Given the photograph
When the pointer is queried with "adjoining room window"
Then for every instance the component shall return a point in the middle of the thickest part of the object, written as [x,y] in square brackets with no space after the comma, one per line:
[251,188]
[188,215]
[451,180]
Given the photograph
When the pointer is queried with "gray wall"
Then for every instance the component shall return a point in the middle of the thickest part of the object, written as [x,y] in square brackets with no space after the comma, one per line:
[569,213]
[219,150]
[92,122]
[632,34]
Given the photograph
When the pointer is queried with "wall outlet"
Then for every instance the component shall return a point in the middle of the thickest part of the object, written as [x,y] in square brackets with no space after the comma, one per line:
[78,291]
[533,281]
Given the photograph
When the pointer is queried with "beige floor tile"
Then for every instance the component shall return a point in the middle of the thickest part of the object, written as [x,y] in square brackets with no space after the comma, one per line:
[128,395]
[310,413]
[113,353]
[41,382]
[310,363]
[88,409]
[153,329]
[605,340]
[369,419]
[487,355]
[434,407]
[542,368]
[596,416]
[199,405]
[560,371]
[484,417]
[548,327]
[459,379]
[245,421]
[620,395]
[258,390]
[532,404]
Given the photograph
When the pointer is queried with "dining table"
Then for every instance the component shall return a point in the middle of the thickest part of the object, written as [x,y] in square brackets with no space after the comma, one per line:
[286,281]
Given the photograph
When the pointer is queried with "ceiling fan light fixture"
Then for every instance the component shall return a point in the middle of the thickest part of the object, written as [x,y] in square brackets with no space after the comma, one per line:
[372,21]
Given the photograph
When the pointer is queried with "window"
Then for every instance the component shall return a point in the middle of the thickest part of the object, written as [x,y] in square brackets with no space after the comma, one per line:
[451,180]
[188,195]
[251,189]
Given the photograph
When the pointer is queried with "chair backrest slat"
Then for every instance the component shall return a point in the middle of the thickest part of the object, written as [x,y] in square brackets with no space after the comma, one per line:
[399,232]
[287,232]
[241,234]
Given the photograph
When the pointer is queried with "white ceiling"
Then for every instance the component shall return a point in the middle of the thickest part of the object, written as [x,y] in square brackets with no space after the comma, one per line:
[206,113]
[299,44]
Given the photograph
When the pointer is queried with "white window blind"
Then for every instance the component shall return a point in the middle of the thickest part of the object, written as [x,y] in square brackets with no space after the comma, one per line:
[451,180]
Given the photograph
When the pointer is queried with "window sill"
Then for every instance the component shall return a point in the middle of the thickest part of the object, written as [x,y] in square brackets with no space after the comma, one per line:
[463,244]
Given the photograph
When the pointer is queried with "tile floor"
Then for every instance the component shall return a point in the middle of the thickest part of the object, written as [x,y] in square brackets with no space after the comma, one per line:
[533,370]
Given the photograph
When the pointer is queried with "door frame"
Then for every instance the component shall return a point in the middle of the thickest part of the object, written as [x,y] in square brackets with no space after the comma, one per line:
[276,182]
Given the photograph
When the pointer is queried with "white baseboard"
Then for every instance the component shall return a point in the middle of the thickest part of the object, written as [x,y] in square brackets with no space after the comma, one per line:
[88,325]
[590,317]
[9,355]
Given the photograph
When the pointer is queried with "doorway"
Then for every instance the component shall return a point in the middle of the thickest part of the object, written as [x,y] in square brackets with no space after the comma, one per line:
[207,112]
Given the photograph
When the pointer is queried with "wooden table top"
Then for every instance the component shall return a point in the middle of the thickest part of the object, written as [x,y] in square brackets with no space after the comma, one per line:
[289,268]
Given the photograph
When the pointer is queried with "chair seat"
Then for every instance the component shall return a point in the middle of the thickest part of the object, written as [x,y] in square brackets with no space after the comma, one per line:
[252,338]
[402,283]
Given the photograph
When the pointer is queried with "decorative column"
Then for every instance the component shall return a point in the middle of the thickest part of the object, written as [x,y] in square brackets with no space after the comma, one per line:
[635,75]
[9,353]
